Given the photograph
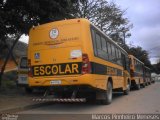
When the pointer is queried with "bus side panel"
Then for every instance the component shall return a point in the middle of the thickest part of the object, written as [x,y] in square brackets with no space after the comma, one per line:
[109,68]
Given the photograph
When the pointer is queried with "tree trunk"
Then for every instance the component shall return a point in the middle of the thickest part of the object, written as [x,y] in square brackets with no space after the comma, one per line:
[11,52]
[7,58]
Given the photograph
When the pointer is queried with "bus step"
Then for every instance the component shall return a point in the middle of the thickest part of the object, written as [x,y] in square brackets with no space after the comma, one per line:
[59,99]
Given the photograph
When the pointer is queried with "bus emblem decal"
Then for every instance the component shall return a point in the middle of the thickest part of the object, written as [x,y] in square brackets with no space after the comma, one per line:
[54,33]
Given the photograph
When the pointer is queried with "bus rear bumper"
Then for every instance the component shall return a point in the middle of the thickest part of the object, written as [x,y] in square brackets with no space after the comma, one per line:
[86,79]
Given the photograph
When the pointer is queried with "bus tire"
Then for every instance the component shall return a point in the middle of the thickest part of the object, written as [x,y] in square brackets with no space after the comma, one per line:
[144,85]
[108,94]
[126,92]
[147,84]
[138,86]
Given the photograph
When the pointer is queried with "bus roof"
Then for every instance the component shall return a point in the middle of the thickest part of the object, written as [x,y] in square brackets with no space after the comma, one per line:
[147,67]
[60,22]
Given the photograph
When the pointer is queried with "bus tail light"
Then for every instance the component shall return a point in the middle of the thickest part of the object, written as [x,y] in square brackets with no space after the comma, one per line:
[29,68]
[86,65]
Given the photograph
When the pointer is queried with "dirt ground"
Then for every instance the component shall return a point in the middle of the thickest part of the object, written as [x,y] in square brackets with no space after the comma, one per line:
[16,98]
[146,100]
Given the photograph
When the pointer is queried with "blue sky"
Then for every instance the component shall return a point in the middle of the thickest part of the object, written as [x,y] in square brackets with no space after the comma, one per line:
[145,16]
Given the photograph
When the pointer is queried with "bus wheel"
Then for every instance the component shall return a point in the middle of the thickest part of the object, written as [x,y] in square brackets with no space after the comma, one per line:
[108,94]
[138,86]
[144,85]
[126,92]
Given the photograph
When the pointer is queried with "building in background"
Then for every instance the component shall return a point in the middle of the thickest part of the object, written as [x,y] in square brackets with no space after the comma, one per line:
[155,77]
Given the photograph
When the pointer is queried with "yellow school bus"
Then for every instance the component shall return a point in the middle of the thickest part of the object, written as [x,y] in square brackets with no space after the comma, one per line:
[73,58]
[137,72]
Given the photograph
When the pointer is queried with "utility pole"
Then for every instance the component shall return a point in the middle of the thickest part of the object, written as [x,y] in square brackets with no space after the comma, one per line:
[124,35]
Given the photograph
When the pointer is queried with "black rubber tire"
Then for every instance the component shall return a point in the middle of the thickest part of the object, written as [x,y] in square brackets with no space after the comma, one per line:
[108,95]
[126,92]
[147,84]
[138,86]
[144,85]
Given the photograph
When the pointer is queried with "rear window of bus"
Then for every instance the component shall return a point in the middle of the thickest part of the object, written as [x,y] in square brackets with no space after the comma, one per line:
[23,63]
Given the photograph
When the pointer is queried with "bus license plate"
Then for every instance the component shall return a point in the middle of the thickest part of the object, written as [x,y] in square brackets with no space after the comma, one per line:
[55,82]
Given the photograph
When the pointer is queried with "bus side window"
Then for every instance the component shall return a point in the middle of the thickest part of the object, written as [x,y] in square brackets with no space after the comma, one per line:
[98,41]
[127,63]
[94,42]
[130,62]
[119,57]
[116,56]
[23,63]
[134,64]
[124,61]
[109,51]
[113,52]
[104,48]
[99,45]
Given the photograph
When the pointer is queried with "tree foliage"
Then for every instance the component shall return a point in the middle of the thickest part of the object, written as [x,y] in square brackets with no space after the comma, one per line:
[18,16]
[21,15]
[156,67]
[106,16]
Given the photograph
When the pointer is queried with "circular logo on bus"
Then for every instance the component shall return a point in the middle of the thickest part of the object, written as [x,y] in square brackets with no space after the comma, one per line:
[54,33]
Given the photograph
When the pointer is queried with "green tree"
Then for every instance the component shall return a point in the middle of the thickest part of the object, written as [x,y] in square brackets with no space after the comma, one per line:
[106,16]
[18,16]
[141,54]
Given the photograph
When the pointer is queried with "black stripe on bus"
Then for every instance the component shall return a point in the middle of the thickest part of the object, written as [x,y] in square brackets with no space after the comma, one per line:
[73,68]
[105,70]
